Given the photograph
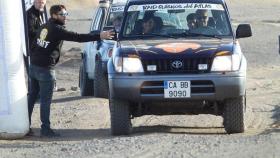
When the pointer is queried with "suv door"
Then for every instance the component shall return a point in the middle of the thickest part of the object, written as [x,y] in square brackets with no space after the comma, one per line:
[92,47]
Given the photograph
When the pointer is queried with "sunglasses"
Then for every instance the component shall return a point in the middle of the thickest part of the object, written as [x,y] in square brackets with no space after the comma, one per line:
[63,14]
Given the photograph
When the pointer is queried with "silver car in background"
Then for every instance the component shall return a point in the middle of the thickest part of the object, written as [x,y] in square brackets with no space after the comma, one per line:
[93,70]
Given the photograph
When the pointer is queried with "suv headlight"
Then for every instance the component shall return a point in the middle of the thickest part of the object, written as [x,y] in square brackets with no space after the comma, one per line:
[226,63]
[118,64]
[128,65]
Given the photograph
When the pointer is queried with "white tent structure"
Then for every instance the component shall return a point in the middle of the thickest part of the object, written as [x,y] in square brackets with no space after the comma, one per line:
[13,99]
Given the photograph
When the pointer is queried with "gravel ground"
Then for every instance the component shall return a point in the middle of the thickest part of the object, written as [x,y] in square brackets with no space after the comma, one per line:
[84,121]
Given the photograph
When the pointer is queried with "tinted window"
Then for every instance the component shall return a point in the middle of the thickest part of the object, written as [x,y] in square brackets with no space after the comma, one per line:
[177,19]
[97,23]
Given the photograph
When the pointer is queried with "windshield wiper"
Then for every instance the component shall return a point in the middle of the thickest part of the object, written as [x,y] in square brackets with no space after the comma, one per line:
[163,35]
[152,35]
[189,34]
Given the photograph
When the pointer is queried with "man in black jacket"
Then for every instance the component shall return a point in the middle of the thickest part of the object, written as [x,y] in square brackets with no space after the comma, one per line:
[36,16]
[45,54]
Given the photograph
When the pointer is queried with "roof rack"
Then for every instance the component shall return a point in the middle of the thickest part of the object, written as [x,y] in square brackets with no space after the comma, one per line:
[113,1]
[105,1]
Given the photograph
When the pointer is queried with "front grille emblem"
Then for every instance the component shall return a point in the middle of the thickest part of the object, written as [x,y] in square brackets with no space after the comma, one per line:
[177,64]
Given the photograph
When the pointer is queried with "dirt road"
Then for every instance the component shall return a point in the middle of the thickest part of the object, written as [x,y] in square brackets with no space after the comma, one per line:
[84,121]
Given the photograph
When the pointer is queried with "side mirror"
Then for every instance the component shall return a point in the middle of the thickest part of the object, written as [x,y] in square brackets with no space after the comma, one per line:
[106,28]
[243,30]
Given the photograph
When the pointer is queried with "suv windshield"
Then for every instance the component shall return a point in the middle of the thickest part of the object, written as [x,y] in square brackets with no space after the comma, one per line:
[177,20]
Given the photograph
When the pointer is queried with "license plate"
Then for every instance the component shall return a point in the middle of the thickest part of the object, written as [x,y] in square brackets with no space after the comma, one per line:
[177,89]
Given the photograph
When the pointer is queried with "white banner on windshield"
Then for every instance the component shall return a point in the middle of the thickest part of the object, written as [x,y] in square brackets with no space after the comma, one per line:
[117,9]
[175,6]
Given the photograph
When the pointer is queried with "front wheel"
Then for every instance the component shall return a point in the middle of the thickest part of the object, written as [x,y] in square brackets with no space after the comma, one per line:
[234,115]
[120,117]
[101,82]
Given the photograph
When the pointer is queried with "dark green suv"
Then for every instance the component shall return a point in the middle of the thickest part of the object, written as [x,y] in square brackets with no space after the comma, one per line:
[177,57]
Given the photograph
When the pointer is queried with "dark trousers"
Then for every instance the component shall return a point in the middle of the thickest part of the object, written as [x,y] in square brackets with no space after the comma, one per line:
[41,83]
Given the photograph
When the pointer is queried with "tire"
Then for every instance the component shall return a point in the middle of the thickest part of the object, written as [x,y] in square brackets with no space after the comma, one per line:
[234,115]
[120,117]
[85,83]
[101,86]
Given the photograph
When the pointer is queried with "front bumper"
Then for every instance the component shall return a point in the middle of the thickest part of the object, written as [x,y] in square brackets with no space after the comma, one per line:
[209,87]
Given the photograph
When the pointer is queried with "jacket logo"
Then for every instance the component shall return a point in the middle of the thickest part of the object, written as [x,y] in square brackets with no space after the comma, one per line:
[177,64]
[41,40]
[43,34]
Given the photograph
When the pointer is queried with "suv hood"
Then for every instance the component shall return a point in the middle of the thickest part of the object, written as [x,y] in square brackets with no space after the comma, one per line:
[147,49]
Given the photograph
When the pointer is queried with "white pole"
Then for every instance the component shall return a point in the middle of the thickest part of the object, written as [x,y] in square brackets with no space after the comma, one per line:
[279,43]
[13,94]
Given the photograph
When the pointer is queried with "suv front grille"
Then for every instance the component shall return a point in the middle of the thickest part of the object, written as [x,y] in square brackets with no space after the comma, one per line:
[189,65]
[197,86]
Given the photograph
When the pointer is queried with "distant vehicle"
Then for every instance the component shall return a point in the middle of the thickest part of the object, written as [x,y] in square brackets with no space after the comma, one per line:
[176,69]
[93,79]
